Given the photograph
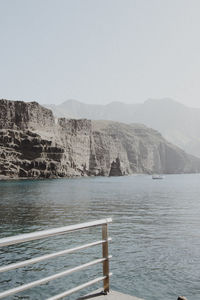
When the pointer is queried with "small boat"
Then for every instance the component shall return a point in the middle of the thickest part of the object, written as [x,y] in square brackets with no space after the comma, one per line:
[157,176]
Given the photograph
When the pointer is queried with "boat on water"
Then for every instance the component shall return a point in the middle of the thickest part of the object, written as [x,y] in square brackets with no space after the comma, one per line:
[157,176]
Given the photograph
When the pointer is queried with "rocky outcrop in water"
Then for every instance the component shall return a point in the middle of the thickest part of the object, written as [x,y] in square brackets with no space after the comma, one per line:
[115,168]
[34,145]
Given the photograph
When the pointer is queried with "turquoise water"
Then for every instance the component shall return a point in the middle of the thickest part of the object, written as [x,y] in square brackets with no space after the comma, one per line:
[155,231]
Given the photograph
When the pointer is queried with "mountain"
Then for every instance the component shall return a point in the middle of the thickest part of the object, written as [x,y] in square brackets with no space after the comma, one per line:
[35,145]
[115,111]
[178,123]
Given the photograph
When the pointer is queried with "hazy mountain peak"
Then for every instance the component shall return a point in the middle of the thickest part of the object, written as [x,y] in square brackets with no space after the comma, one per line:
[113,103]
[162,101]
[71,101]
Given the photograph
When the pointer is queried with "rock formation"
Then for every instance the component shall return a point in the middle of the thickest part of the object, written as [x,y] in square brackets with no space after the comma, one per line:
[115,168]
[34,145]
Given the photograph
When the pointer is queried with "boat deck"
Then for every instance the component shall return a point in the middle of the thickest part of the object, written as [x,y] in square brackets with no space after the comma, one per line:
[112,295]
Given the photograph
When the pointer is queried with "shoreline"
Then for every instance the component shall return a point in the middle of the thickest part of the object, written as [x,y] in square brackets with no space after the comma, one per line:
[7,178]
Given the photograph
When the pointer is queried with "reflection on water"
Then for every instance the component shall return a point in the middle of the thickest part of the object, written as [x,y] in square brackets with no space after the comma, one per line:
[155,232]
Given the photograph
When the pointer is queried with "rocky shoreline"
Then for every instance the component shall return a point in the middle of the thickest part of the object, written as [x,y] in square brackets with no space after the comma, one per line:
[33,144]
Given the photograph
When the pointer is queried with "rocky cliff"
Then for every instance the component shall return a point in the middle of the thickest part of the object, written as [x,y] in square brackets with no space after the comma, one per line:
[20,115]
[33,144]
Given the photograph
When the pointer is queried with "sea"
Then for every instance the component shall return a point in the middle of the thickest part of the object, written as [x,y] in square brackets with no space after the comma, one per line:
[155,233]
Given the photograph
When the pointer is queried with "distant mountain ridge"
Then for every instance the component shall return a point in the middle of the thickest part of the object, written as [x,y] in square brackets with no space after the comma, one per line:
[178,123]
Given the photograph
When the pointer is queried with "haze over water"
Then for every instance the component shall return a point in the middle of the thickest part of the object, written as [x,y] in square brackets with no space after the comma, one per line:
[155,232]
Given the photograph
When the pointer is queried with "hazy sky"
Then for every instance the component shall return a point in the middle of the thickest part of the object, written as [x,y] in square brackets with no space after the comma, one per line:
[98,51]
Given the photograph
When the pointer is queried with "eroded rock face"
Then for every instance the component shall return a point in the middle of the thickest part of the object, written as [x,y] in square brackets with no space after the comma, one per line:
[20,115]
[26,154]
[139,150]
[33,145]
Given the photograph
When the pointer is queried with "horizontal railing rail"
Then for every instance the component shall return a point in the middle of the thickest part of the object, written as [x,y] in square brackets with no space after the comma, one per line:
[53,232]
[21,238]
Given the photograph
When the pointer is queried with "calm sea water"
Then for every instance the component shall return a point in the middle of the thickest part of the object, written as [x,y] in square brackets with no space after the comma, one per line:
[155,231]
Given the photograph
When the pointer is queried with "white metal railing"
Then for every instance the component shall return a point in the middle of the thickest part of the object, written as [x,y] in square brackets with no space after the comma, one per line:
[58,231]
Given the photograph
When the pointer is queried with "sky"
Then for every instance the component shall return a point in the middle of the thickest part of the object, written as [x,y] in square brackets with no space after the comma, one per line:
[100,51]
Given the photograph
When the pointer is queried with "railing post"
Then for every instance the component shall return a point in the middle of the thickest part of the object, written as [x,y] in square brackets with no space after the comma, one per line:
[105,255]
